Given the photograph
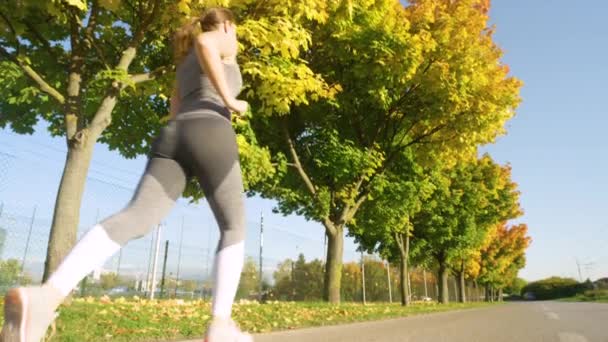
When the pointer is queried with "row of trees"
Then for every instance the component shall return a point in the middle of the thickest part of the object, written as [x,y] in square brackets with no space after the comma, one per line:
[366,116]
[11,273]
[451,220]
[557,287]
[303,281]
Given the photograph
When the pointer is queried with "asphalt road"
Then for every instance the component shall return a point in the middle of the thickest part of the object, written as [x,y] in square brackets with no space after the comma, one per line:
[520,322]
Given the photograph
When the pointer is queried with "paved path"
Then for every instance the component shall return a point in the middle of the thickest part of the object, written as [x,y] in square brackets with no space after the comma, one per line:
[520,322]
[513,322]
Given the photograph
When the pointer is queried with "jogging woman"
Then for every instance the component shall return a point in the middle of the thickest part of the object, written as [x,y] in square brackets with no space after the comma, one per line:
[199,142]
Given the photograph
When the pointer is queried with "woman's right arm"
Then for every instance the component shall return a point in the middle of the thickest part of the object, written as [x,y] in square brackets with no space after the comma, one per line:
[210,59]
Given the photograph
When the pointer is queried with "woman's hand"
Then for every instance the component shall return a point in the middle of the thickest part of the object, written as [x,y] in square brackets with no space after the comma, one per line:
[238,106]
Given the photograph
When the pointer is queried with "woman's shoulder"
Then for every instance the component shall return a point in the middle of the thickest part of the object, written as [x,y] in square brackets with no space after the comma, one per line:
[204,38]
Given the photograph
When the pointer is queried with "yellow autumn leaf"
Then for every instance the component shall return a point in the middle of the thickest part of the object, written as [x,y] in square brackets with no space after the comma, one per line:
[81,5]
[111,5]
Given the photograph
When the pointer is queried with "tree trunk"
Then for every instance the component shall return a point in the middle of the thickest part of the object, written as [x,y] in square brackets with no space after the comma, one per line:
[488,294]
[458,287]
[66,216]
[462,285]
[500,295]
[409,283]
[404,247]
[405,293]
[443,295]
[333,267]
[475,290]
[80,141]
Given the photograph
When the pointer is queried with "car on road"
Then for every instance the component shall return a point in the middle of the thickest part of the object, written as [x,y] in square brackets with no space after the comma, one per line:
[529,296]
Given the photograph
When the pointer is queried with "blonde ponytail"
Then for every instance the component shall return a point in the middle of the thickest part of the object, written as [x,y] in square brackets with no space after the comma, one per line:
[208,21]
[184,37]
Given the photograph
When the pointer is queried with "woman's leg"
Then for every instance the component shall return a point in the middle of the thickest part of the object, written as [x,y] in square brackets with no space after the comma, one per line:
[211,144]
[160,186]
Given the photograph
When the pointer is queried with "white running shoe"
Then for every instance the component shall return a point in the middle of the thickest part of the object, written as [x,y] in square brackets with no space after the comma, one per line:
[225,330]
[27,315]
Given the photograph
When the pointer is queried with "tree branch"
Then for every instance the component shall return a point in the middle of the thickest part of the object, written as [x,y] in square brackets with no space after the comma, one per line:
[349,211]
[100,53]
[399,241]
[43,41]
[426,135]
[398,124]
[396,151]
[329,225]
[140,33]
[74,121]
[292,150]
[149,76]
[28,70]
[34,76]
[399,102]
[103,116]
[353,210]
[90,37]
[12,28]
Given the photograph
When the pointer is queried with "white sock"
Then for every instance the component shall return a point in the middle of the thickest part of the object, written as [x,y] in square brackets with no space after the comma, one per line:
[227,274]
[92,251]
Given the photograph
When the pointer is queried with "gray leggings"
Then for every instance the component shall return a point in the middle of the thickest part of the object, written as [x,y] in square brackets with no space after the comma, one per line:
[203,146]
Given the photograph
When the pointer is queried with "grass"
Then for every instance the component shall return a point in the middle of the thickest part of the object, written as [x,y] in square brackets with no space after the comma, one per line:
[597,296]
[163,320]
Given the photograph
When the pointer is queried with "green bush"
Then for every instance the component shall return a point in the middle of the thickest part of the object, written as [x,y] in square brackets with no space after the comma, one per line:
[601,283]
[11,275]
[556,287]
[516,287]
[594,295]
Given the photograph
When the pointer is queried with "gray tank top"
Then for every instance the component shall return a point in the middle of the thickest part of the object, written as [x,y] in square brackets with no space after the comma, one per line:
[196,92]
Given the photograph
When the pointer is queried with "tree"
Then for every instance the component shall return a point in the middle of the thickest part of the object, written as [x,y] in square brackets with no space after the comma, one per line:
[426,77]
[65,63]
[108,280]
[383,222]
[469,200]
[189,285]
[502,256]
[283,281]
[516,286]
[308,279]
[11,273]
[553,288]
[351,286]
[299,280]
[101,70]
[250,279]
[376,286]
[495,200]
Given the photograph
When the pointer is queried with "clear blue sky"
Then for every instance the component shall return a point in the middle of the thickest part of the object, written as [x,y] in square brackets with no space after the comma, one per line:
[555,145]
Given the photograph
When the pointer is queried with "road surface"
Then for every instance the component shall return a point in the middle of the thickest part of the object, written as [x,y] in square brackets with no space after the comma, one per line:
[519,322]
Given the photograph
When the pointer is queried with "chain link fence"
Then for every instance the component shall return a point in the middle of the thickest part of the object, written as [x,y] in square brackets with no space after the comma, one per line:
[177,261]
